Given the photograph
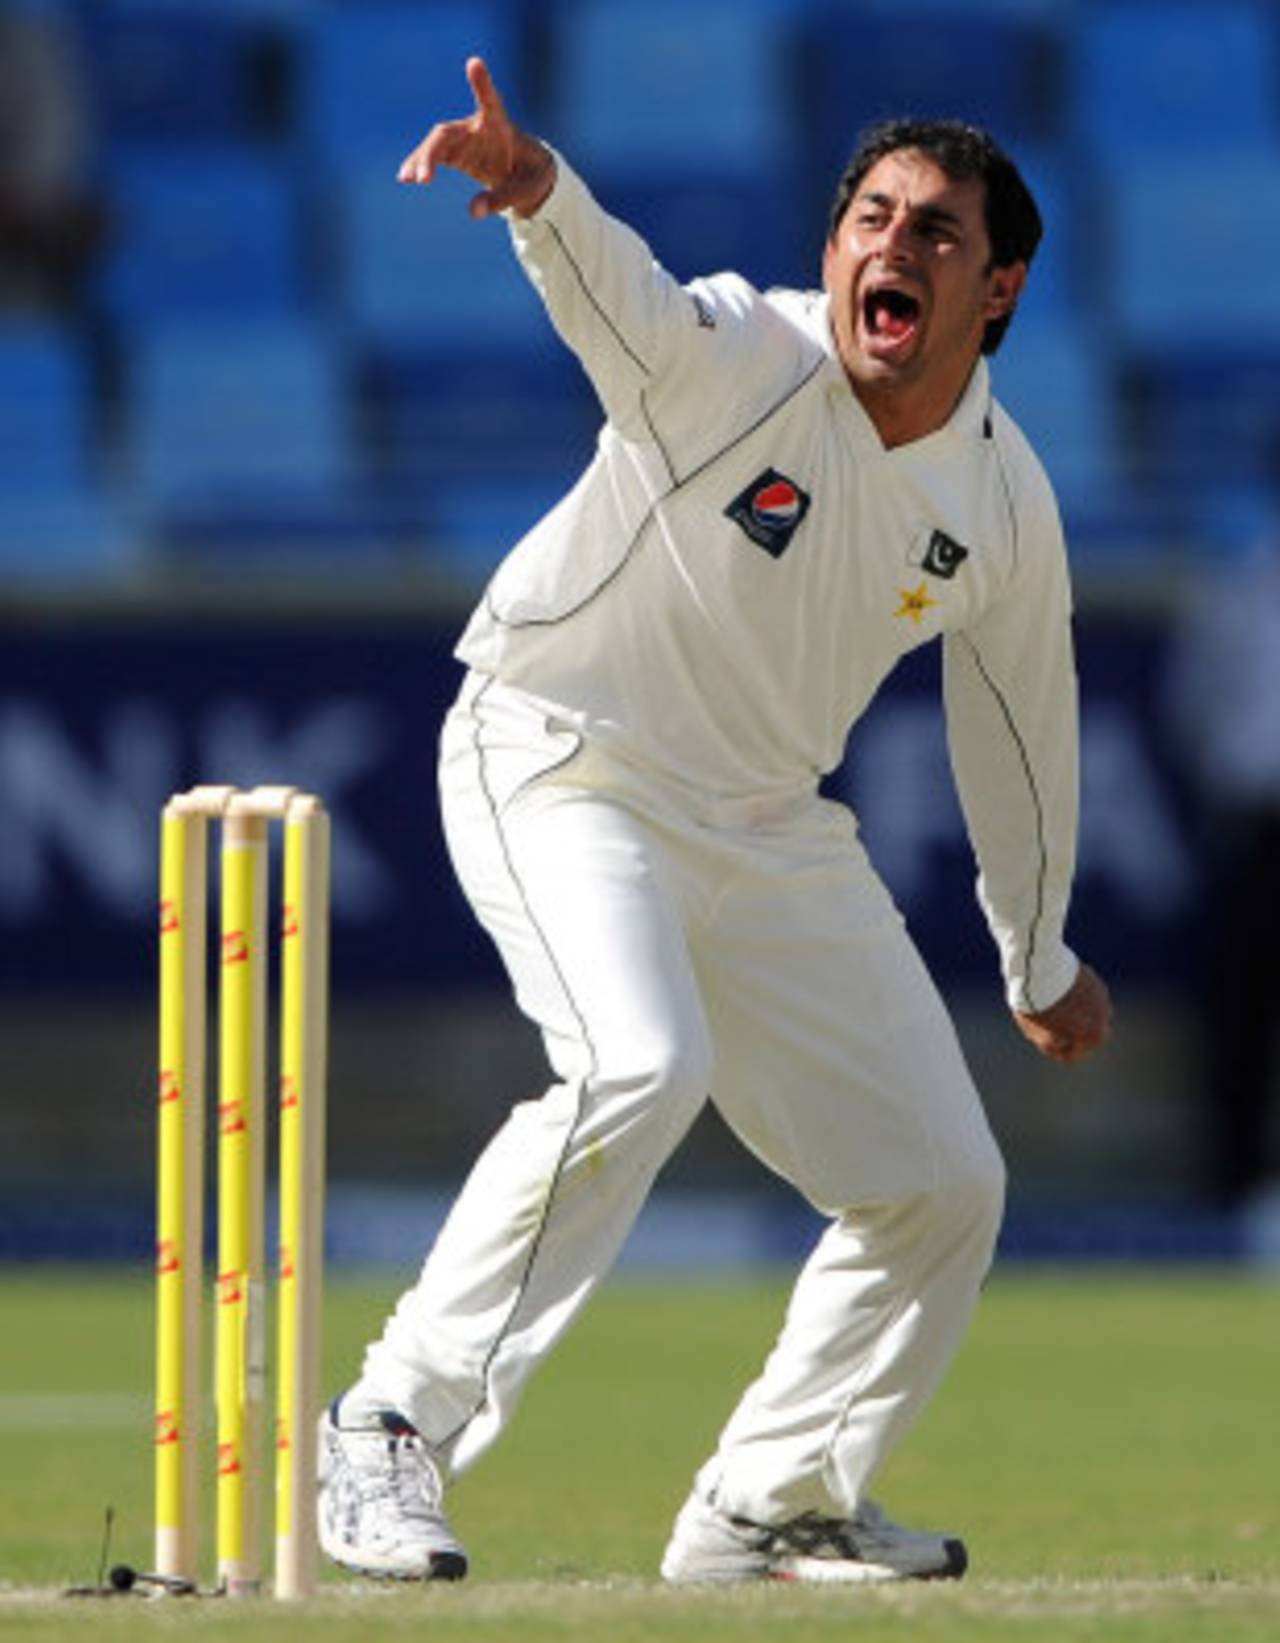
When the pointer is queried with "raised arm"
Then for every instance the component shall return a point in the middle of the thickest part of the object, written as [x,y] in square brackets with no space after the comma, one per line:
[657,353]
[516,170]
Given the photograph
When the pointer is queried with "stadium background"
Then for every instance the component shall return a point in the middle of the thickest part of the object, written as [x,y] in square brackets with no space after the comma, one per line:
[256,460]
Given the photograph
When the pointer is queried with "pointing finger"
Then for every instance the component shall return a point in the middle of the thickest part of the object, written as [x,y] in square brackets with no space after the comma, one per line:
[488,98]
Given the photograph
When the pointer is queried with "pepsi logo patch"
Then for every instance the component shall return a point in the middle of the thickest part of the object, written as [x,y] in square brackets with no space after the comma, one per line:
[770,510]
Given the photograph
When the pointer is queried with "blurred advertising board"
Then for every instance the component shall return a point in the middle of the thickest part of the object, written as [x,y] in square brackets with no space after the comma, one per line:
[101,720]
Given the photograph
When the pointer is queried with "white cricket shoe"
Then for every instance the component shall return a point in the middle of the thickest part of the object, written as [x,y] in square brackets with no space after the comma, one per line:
[707,1544]
[380,1506]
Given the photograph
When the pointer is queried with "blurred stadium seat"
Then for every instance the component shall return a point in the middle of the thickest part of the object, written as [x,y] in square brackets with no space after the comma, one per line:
[272,11]
[470,527]
[702,223]
[1044,11]
[411,266]
[53,537]
[1211,420]
[46,409]
[1002,72]
[227,413]
[643,91]
[479,415]
[1055,381]
[373,78]
[1181,76]
[1195,252]
[209,233]
[1057,282]
[56,523]
[249,150]
[168,73]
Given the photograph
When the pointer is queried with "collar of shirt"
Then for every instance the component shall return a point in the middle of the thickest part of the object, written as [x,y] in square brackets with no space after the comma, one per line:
[971,418]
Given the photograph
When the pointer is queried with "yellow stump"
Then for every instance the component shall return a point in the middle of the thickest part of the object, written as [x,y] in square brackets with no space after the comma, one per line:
[180,1187]
[304,964]
[239,1348]
[240,1369]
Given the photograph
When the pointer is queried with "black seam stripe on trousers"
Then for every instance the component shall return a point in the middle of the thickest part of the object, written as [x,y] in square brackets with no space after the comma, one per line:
[522,1287]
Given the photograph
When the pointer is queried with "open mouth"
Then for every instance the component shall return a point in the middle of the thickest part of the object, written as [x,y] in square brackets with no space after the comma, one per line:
[889,315]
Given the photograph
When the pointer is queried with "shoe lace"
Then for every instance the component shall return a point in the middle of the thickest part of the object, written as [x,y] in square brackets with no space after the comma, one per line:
[812,1535]
[408,1484]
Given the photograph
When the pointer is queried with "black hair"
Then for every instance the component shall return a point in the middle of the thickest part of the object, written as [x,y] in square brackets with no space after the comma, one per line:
[1014,225]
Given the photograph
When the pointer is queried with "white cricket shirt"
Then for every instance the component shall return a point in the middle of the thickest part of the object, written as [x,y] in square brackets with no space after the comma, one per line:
[728,584]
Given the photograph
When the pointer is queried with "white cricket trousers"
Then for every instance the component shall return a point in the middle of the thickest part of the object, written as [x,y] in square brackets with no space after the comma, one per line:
[672,949]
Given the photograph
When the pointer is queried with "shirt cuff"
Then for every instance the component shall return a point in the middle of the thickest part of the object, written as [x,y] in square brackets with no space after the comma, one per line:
[1054,977]
[562,190]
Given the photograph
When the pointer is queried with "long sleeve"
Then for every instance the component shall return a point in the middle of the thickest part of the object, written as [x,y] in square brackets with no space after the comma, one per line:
[658,353]
[1012,724]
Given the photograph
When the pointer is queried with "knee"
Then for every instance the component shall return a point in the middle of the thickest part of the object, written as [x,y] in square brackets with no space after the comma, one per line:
[665,1073]
[969,1199]
[676,1068]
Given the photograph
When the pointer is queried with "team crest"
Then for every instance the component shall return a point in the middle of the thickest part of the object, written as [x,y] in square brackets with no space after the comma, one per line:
[770,510]
[943,555]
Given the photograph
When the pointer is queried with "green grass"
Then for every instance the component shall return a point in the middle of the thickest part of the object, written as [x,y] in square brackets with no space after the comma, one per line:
[1108,1445]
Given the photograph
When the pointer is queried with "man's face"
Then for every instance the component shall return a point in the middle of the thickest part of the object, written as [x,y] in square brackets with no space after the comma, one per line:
[911,283]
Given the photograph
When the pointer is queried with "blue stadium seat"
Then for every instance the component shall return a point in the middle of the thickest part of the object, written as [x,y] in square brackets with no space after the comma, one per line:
[54,537]
[159,73]
[56,521]
[1059,272]
[658,87]
[270,11]
[373,78]
[353,533]
[476,416]
[46,410]
[1053,12]
[700,223]
[234,412]
[214,233]
[412,266]
[1195,250]
[471,527]
[1178,76]
[1056,383]
[478,442]
[996,71]
[1235,522]
[1130,530]
[1212,419]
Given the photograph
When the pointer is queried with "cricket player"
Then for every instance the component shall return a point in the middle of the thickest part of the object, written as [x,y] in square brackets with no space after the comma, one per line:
[791,490]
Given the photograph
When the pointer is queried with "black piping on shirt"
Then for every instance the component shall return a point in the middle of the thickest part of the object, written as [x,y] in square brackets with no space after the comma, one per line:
[676,486]
[1042,871]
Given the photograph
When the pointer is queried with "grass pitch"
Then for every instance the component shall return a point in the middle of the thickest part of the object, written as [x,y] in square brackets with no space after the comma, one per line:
[1109,1446]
